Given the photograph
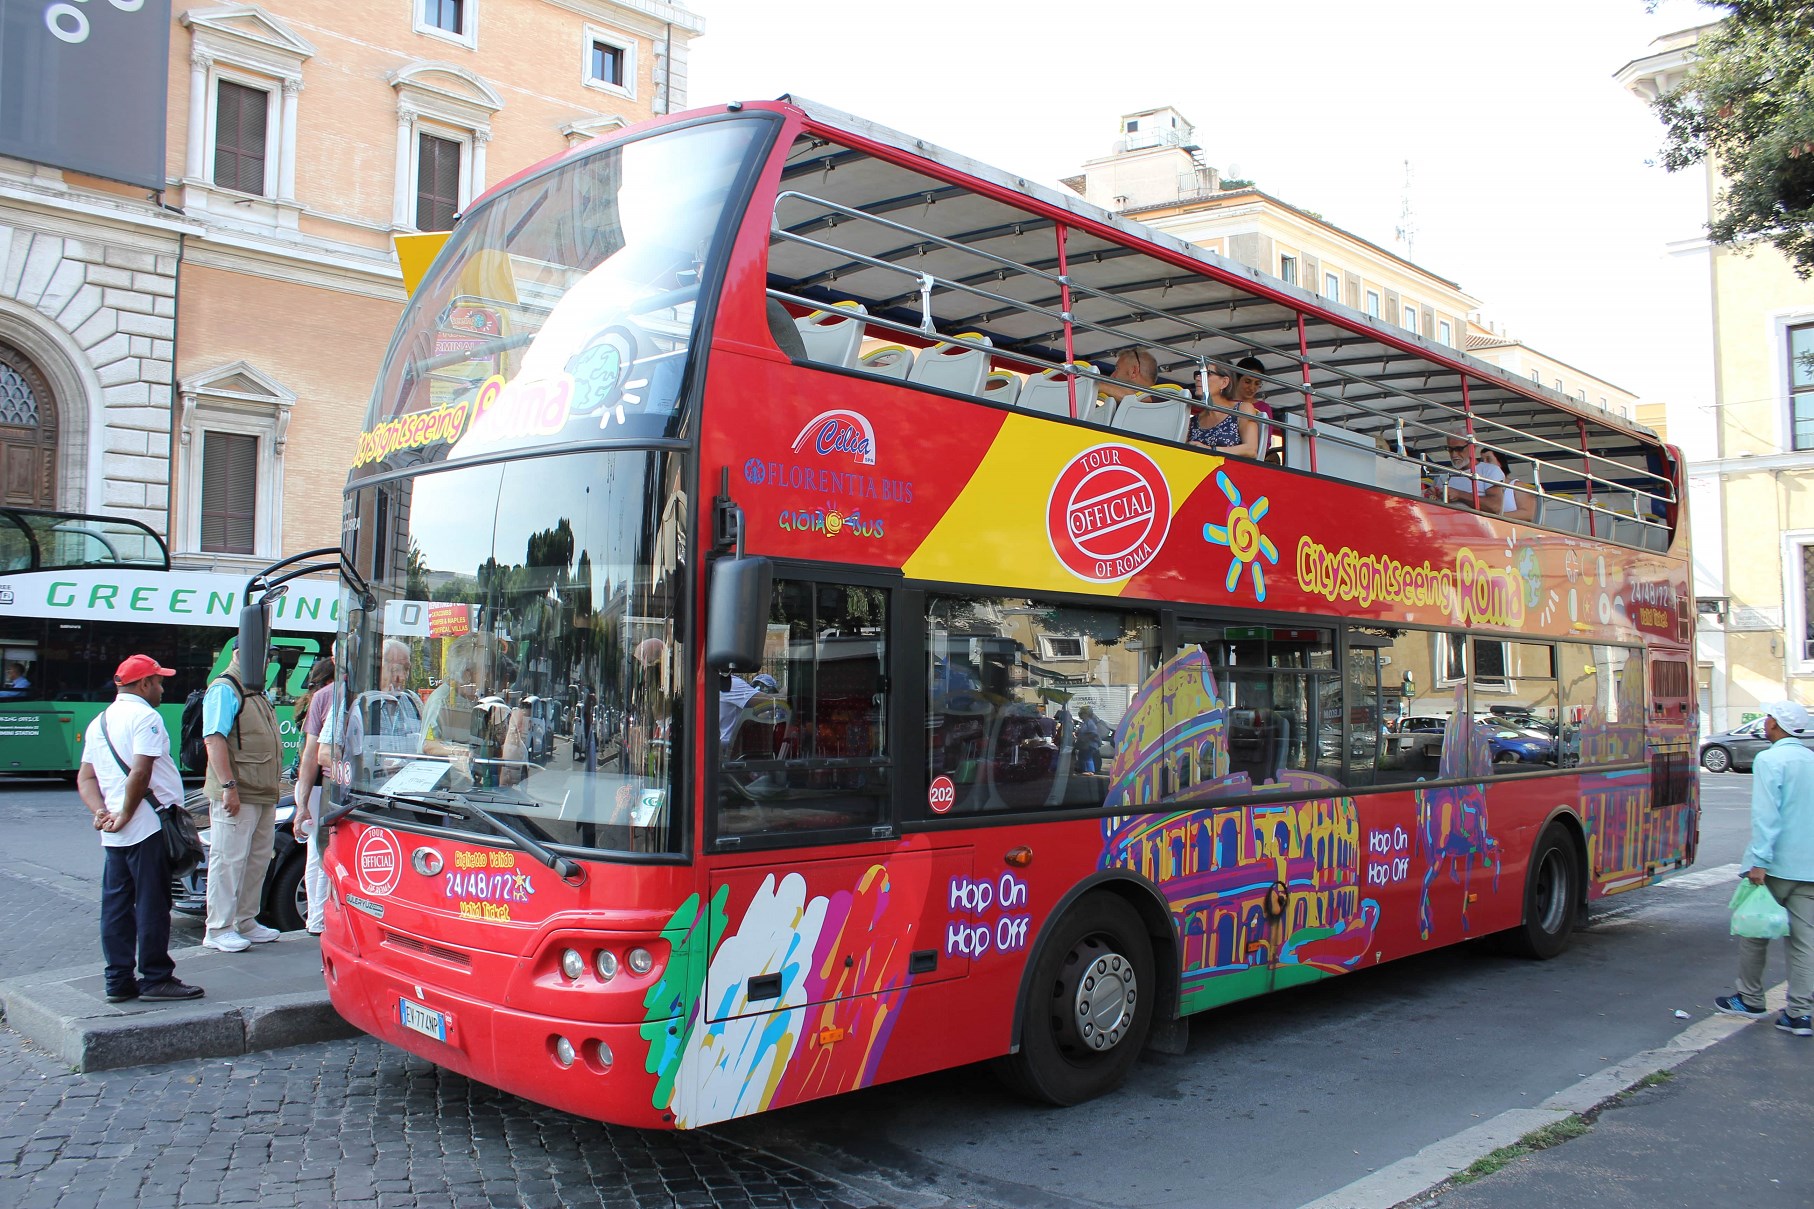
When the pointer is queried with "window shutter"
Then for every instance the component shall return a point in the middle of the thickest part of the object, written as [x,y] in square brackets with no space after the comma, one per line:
[229,492]
[239,137]
[437,183]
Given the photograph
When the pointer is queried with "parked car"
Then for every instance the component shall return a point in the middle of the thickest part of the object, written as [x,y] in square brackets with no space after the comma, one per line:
[1734,750]
[284,903]
[1420,738]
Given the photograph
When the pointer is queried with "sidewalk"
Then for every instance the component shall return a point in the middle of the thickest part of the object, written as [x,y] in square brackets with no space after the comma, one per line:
[269,996]
[1730,1127]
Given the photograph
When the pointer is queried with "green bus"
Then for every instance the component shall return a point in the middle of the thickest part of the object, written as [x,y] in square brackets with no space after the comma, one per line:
[79,593]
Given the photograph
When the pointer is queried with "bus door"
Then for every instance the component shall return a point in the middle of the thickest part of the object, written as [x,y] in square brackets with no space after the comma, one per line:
[1671,822]
[837,909]
[1222,742]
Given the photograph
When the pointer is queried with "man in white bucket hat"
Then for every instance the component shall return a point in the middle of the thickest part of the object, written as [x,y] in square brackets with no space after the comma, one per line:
[1781,858]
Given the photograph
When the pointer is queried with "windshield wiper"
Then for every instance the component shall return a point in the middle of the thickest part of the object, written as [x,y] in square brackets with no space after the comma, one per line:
[565,867]
[461,807]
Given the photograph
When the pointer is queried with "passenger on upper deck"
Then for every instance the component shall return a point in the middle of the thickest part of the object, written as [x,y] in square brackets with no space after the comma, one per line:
[1236,431]
[1458,488]
[1520,502]
[1135,366]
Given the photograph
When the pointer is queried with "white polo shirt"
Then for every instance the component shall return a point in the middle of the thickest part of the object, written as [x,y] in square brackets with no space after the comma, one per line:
[136,730]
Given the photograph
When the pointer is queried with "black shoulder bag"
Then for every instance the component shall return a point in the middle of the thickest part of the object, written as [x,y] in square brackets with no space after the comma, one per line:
[182,842]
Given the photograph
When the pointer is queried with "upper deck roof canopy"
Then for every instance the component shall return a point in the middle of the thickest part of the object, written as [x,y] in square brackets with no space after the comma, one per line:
[869,214]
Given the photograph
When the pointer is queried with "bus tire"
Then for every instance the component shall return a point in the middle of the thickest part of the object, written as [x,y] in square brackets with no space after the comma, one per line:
[1089,1005]
[1552,894]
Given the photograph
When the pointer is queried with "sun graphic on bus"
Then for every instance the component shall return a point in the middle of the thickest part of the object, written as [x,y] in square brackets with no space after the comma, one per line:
[1241,534]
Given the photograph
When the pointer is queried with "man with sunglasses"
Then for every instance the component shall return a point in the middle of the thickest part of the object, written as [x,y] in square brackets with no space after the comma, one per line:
[1458,487]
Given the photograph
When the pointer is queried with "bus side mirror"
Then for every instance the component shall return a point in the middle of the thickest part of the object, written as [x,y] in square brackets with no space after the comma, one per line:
[737,613]
[254,645]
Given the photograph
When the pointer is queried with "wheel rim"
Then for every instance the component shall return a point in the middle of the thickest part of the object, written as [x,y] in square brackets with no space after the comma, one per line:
[1100,992]
[1552,892]
[1716,759]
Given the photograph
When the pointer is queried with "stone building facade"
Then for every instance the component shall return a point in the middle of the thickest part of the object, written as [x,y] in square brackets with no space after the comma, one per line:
[200,358]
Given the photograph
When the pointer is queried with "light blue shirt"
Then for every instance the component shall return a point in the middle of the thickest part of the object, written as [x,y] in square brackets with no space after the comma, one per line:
[220,709]
[1782,812]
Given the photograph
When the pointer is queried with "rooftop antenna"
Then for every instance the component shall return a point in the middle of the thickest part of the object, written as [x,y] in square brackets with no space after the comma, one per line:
[1407,225]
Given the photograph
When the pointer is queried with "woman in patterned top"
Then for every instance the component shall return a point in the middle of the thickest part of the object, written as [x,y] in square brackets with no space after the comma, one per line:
[1235,432]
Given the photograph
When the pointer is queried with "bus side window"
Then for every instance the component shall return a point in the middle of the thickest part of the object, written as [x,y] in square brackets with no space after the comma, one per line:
[1033,705]
[803,743]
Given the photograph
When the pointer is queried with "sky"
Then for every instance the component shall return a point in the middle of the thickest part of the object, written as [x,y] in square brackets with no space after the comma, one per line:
[1534,177]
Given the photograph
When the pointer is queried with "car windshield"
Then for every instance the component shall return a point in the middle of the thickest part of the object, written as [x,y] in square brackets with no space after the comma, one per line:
[564,308]
[522,655]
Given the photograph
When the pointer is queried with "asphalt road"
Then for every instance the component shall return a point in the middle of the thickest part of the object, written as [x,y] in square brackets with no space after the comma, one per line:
[1275,1103]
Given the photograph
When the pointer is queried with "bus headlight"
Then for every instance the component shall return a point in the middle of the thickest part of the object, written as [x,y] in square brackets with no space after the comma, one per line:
[641,961]
[563,1051]
[572,964]
[607,964]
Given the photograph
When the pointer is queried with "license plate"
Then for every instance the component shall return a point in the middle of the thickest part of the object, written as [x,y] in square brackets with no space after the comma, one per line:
[423,1020]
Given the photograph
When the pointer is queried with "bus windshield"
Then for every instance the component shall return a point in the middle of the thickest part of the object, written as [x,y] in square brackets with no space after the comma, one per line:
[522,654]
[564,308]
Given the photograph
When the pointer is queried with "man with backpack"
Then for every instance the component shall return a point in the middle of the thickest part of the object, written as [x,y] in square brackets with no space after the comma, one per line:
[245,755]
[126,769]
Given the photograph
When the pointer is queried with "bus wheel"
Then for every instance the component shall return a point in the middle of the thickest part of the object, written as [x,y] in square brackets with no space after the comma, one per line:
[1089,1005]
[1552,892]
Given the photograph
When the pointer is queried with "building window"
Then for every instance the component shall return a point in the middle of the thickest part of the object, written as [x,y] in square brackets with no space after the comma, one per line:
[241,121]
[1558,386]
[1132,127]
[1061,646]
[610,63]
[1288,269]
[1801,384]
[1445,333]
[1373,303]
[1332,287]
[455,20]
[1411,317]
[1535,378]
[229,492]
[1806,636]
[1581,395]
[437,182]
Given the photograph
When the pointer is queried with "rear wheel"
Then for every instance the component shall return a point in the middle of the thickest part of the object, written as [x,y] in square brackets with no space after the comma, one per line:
[1552,895]
[1089,1005]
[1716,759]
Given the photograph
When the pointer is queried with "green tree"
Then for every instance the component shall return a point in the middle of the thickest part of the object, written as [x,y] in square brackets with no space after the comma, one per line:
[1748,106]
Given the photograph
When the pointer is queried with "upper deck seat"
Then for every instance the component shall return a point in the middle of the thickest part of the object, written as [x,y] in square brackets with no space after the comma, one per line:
[1048,393]
[832,337]
[1340,453]
[1163,413]
[953,367]
[889,361]
[1001,386]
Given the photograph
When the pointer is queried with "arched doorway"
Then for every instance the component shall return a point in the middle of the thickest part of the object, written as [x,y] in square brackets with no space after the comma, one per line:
[28,433]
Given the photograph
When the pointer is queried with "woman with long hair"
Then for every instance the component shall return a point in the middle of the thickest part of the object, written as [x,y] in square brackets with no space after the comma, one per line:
[1235,429]
[312,707]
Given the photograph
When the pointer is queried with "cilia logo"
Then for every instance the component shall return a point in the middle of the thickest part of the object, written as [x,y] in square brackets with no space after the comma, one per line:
[840,431]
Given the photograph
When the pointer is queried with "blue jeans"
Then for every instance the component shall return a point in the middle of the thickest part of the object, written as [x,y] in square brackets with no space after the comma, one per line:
[135,915]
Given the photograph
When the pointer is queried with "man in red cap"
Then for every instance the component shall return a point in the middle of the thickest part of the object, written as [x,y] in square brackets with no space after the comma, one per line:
[126,770]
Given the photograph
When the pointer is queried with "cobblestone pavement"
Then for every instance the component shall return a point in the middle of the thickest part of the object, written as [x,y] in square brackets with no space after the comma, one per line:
[352,1123]
[348,1123]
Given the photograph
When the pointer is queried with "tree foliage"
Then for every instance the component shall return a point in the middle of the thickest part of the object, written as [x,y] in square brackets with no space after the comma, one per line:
[1748,105]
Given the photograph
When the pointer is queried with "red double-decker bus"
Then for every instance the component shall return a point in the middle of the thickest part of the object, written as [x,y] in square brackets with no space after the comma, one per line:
[794,661]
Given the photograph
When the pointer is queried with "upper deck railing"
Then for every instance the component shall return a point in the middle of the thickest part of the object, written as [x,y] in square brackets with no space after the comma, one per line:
[966,271]
[34,539]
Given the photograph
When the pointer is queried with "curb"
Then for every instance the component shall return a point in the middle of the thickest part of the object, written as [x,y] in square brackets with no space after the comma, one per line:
[1416,1176]
[87,1035]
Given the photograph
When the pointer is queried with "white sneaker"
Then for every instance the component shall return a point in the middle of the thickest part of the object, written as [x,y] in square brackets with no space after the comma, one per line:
[227,942]
[258,934]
